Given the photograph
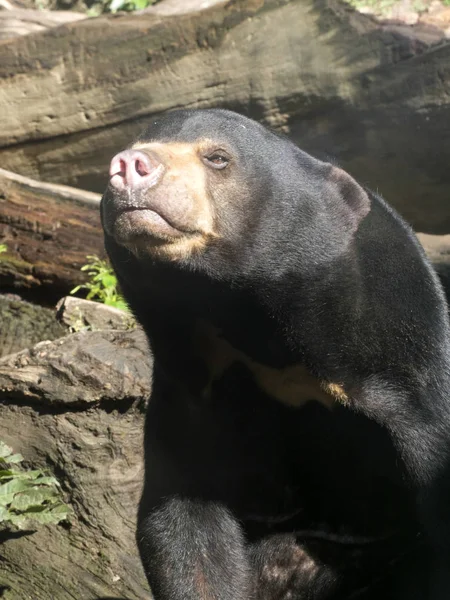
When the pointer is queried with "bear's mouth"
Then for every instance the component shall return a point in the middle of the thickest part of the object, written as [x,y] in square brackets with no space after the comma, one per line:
[148,222]
[145,224]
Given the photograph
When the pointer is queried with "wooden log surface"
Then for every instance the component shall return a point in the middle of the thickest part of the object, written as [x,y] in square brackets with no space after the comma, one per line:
[49,230]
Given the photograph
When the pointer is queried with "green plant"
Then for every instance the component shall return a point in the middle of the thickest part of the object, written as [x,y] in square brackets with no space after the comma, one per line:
[102,284]
[128,5]
[378,7]
[113,6]
[3,248]
[419,6]
[27,495]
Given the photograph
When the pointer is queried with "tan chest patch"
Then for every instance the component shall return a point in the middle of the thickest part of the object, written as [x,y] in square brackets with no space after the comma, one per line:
[292,385]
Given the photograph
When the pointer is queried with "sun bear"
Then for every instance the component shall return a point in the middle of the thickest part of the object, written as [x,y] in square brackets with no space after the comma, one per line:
[297,440]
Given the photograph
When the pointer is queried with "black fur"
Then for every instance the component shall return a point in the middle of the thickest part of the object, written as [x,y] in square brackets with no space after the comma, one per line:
[245,497]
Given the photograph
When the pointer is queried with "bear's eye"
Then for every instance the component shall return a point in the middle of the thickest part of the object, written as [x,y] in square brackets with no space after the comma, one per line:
[217,160]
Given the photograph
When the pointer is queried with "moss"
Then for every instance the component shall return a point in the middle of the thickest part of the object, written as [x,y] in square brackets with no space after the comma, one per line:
[24,324]
[17,264]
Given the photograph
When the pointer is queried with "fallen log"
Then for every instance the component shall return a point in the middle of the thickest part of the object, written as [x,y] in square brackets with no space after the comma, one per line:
[48,230]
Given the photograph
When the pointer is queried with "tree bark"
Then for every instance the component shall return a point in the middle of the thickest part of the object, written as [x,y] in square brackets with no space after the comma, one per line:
[48,230]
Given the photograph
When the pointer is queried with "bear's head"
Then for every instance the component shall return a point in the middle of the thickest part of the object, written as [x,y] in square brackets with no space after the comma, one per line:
[201,186]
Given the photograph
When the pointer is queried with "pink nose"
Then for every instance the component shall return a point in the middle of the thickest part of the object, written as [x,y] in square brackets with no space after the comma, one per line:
[134,169]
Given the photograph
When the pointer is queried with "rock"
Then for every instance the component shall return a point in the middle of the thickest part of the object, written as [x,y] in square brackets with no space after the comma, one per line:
[78,314]
[80,370]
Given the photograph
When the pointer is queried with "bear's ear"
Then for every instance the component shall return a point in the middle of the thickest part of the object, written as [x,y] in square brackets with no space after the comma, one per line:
[347,199]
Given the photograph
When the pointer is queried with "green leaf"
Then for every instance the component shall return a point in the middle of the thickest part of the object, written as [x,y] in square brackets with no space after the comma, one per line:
[116,5]
[13,487]
[20,521]
[15,458]
[29,475]
[35,497]
[5,450]
[47,517]
[94,11]
[9,489]
[7,473]
[109,280]
[102,285]
[61,509]
[27,495]
[47,481]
